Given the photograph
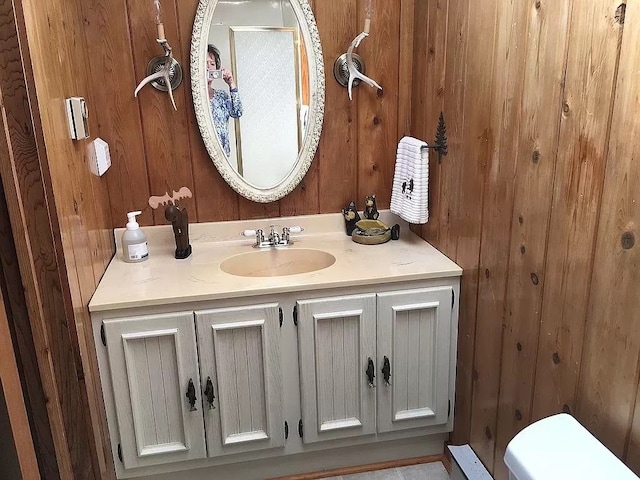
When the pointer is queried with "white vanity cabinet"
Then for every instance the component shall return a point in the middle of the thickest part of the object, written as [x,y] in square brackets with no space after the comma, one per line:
[286,374]
[414,340]
[241,377]
[388,351]
[154,373]
[336,343]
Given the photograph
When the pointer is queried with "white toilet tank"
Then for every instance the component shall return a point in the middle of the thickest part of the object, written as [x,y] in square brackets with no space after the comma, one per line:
[559,448]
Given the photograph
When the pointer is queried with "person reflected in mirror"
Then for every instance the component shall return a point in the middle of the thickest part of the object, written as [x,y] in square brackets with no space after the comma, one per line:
[223,104]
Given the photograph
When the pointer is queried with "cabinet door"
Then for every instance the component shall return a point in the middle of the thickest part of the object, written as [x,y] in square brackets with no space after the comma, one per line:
[414,329]
[336,340]
[154,365]
[240,362]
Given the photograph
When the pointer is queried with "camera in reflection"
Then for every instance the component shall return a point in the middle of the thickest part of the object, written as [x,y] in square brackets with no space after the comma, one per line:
[214,74]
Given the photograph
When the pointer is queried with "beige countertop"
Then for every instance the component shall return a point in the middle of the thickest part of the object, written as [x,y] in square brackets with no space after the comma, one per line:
[164,280]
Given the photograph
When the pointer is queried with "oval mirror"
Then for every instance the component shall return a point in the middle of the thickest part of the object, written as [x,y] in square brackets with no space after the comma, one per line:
[257,80]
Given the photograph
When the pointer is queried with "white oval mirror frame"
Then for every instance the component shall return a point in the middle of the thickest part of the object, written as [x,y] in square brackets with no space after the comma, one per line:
[309,31]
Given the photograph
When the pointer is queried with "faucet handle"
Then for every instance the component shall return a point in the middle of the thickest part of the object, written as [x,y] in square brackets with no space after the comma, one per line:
[259,234]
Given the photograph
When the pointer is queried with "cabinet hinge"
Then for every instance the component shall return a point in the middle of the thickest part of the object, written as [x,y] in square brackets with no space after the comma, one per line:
[453,298]
[449,410]
[286,430]
[295,315]
[300,429]
[103,336]
[120,453]
[281,316]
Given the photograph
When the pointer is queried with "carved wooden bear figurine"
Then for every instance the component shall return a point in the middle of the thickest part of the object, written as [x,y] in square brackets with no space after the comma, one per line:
[351,217]
[370,208]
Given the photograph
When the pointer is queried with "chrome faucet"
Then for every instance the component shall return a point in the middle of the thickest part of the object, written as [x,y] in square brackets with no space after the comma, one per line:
[274,239]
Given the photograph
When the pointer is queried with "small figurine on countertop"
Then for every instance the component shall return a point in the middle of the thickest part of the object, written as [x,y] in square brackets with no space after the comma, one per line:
[395,232]
[178,217]
[180,222]
[370,208]
[351,217]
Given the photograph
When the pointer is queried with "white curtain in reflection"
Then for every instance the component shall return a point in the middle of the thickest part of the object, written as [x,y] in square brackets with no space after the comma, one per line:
[266,73]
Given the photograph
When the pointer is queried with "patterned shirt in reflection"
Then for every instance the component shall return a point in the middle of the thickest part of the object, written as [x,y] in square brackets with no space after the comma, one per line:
[224,106]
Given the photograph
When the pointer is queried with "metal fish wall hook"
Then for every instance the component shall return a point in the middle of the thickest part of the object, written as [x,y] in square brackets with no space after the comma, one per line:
[164,73]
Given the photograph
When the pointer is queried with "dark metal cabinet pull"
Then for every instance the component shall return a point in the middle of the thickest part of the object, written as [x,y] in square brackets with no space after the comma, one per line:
[208,393]
[370,373]
[191,396]
[386,370]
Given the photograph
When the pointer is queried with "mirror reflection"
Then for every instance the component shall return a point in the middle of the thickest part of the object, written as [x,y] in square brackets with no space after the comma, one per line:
[257,78]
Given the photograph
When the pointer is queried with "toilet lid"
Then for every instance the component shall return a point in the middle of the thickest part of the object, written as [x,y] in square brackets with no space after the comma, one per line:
[559,448]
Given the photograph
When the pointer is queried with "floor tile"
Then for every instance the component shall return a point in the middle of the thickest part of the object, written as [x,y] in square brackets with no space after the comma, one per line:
[427,471]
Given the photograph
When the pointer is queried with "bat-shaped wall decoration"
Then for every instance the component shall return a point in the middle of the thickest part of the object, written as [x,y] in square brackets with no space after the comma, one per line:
[155,202]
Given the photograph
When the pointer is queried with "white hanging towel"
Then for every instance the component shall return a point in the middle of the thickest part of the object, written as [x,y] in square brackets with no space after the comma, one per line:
[410,193]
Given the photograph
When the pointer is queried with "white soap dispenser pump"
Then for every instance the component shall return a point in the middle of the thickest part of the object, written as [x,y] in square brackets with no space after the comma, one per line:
[134,241]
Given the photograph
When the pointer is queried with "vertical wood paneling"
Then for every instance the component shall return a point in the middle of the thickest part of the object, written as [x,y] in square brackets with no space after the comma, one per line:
[158,396]
[338,23]
[593,53]
[324,362]
[478,140]
[16,410]
[429,78]
[405,66]
[165,133]
[255,361]
[401,362]
[378,110]
[119,122]
[413,367]
[33,178]
[227,390]
[141,395]
[242,379]
[511,34]
[545,73]
[338,374]
[427,319]
[351,375]
[17,132]
[609,372]
[173,405]
[540,70]
[455,93]
[551,80]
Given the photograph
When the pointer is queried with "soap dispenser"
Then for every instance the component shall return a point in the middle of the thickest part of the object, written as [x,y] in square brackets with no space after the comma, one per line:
[134,241]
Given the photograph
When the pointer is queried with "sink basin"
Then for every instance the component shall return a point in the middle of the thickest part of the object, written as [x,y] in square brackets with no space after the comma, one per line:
[277,262]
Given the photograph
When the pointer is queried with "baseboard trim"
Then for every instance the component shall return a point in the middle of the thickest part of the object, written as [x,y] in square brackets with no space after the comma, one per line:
[369,468]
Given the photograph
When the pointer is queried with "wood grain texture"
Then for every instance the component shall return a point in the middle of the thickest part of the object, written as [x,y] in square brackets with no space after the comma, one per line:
[608,383]
[338,150]
[429,78]
[592,59]
[544,56]
[17,412]
[478,140]
[73,220]
[553,247]
[15,303]
[378,109]
[506,109]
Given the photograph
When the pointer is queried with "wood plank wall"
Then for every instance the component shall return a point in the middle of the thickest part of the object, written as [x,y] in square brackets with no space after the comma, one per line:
[537,201]
[62,216]
[155,149]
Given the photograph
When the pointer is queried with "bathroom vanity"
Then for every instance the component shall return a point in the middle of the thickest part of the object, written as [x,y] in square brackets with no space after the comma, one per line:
[264,372]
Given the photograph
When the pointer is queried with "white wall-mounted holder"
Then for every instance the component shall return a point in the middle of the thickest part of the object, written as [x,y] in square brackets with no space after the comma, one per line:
[78,117]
